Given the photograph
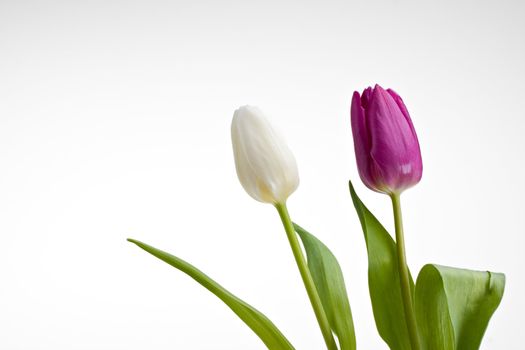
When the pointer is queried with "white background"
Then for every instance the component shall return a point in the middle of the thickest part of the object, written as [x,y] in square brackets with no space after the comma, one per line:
[114,123]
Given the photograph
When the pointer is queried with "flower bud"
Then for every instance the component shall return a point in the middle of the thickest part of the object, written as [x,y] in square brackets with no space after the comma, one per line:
[265,165]
[385,141]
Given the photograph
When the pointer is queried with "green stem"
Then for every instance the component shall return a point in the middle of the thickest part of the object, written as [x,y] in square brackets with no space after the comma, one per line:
[308,281]
[406,291]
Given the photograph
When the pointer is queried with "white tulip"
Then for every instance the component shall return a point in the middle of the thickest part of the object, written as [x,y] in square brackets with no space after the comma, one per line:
[265,165]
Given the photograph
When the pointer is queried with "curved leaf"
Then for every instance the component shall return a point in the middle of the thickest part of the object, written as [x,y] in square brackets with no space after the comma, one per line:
[454,306]
[260,324]
[330,284]
[383,279]
[435,327]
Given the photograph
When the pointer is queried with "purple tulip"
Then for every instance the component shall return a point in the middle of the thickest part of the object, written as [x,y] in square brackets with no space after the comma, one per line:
[386,146]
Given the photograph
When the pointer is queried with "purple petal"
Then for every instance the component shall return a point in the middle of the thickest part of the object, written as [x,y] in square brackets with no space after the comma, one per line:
[361,139]
[403,109]
[394,146]
[366,96]
[416,151]
[399,102]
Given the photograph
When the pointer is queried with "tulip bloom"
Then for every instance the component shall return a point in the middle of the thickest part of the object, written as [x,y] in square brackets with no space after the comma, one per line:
[265,165]
[386,145]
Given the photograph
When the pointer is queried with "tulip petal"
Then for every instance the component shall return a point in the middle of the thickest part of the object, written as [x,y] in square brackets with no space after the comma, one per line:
[366,96]
[400,104]
[395,149]
[415,149]
[361,139]
[265,165]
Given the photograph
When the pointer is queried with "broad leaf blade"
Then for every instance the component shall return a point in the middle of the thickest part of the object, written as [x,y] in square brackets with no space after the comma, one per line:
[463,300]
[434,324]
[260,324]
[330,284]
[383,279]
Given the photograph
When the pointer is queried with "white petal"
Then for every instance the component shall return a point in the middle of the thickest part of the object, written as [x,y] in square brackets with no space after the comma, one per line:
[265,165]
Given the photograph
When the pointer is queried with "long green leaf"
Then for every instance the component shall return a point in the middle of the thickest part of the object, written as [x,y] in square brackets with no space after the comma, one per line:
[383,279]
[260,324]
[454,306]
[330,284]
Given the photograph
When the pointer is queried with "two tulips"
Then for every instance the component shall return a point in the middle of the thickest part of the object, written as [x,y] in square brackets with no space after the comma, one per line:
[388,159]
[447,309]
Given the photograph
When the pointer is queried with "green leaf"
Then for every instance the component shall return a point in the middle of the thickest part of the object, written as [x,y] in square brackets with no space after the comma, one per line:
[260,324]
[383,279]
[330,285]
[435,327]
[454,306]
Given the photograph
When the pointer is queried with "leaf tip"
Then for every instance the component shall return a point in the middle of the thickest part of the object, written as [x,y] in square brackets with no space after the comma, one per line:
[496,282]
[297,227]
[353,193]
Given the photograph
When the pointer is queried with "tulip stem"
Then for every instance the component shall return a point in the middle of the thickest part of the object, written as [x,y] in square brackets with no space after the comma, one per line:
[308,281]
[404,275]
